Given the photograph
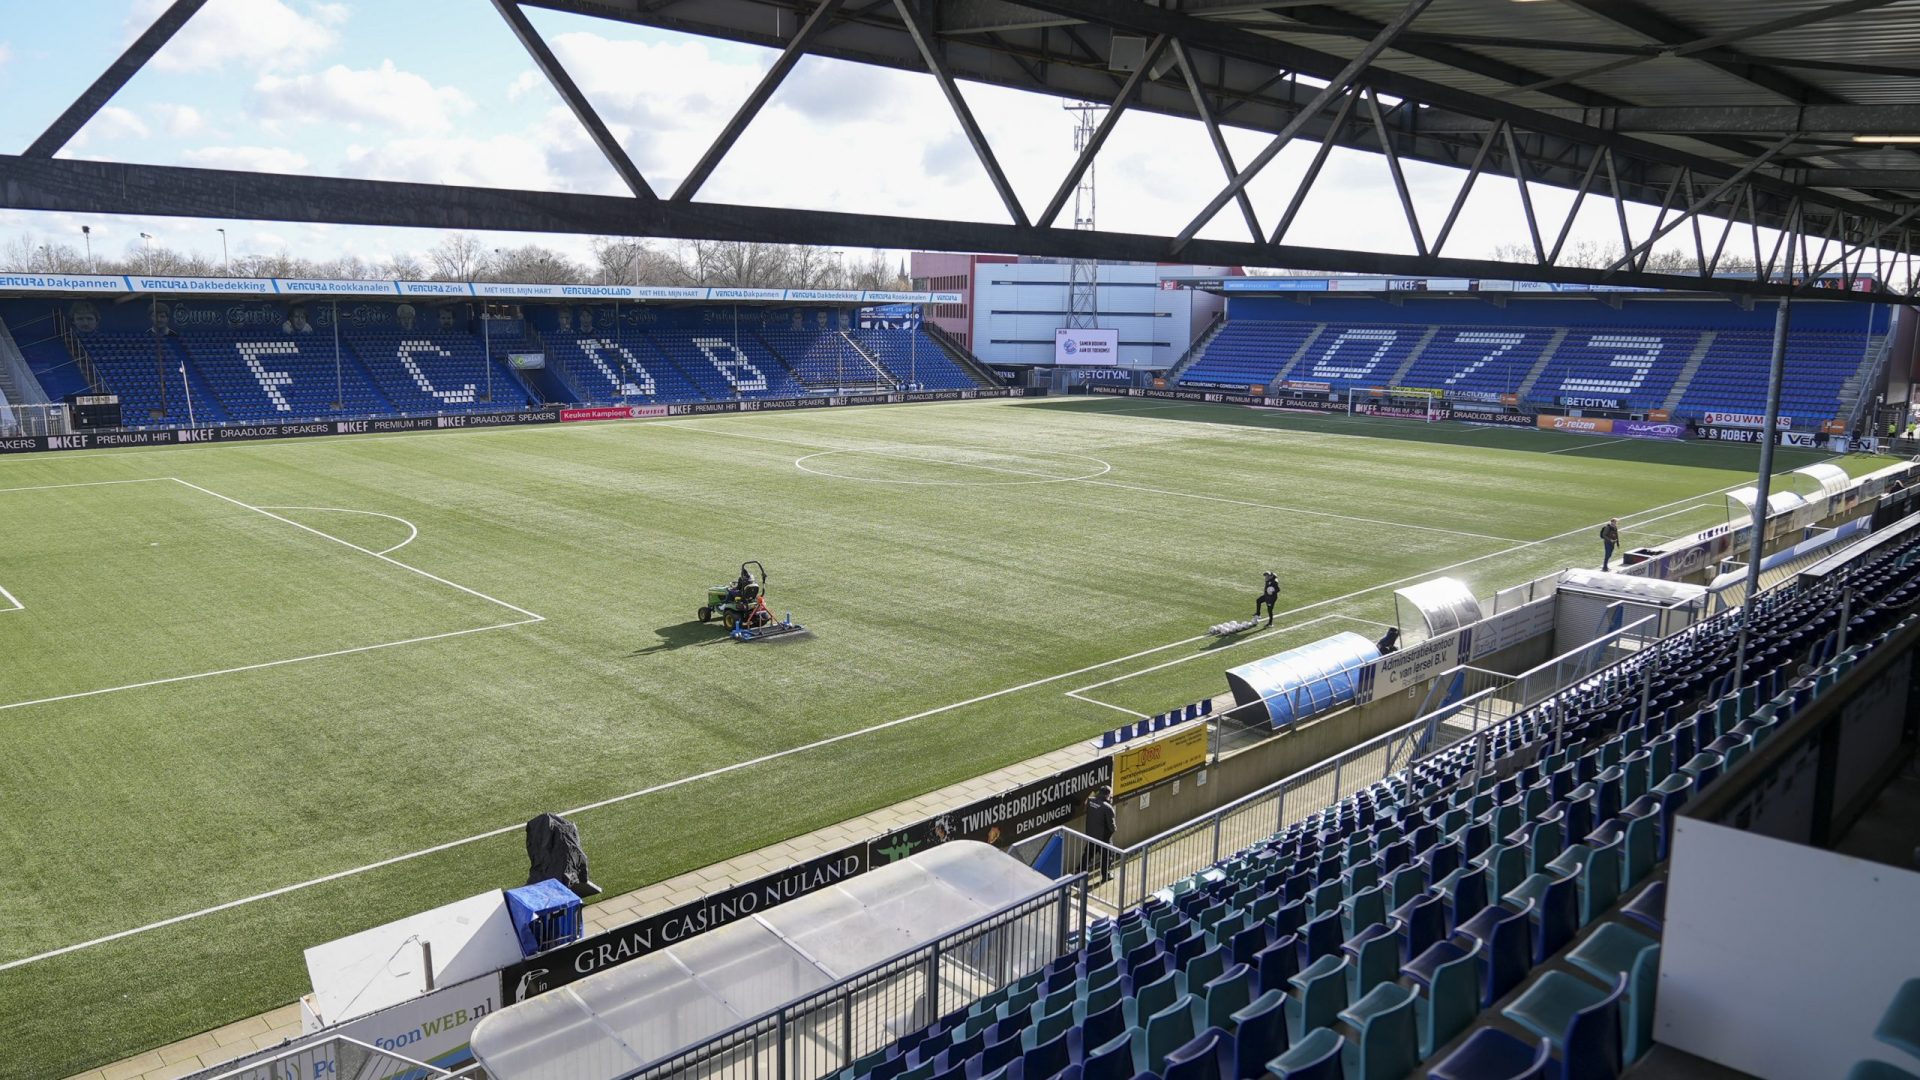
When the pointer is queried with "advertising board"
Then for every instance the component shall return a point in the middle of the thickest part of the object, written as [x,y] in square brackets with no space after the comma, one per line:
[1086,346]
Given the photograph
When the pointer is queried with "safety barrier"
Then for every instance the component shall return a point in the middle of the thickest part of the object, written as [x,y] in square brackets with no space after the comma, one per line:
[831,1028]
[1152,724]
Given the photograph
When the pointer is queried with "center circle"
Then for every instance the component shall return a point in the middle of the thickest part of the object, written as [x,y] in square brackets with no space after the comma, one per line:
[988,466]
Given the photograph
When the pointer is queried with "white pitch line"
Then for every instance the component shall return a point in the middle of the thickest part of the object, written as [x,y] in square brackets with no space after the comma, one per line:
[738,766]
[12,599]
[95,483]
[265,664]
[531,617]
[413,531]
[1199,655]
[517,826]
[1585,446]
[878,451]
[1075,695]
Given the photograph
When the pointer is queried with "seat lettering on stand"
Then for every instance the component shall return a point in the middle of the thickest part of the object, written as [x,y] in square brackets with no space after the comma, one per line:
[1637,354]
[413,347]
[270,381]
[1506,342]
[1329,368]
[641,385]
[732,368]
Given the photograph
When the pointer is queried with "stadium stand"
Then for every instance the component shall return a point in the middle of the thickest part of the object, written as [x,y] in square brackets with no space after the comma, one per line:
[144,369]
[251,362]
[721,367]
[914,359]
[267,375]
[1500,923]
[423,372]
[1690,357]
[1249,353]
[822,360]
[617,367]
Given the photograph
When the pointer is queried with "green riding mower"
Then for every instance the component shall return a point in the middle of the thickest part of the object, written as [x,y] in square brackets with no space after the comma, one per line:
[742,607]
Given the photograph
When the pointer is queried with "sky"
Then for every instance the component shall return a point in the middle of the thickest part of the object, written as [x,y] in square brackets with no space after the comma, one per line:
[440,91]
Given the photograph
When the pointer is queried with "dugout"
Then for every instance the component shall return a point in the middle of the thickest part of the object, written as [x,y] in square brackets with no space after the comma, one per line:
[1432,608]
[1590,604]
[625,1017]
[1786,511]
[1303,682]
[1817,482]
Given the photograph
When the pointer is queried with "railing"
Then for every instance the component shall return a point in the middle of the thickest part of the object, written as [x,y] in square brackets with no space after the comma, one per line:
[18,419]
[1864,394]
[338,1058]
[882,377]
[961,355]
[1199,346]
[831,1028]
[1133,873]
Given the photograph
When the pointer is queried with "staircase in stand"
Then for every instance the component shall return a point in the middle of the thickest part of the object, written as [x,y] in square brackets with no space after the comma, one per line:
[883,379]
[1540,365]
[1689,370]
[961,355]
[1198,348]
[1299,354]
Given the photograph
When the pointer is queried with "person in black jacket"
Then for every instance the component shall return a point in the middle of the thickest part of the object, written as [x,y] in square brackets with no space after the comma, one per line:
[1269,592]
[1102,823]
[1610,537]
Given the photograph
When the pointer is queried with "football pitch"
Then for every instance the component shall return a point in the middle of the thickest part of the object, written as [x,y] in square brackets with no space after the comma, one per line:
[254,697]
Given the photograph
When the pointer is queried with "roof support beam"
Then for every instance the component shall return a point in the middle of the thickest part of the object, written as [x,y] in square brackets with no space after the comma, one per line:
[930,52]
[1341,81]
[76,186]
[69,123]
[1313,168]
[1900,119]
[757,100]
[563,84]
[1107,122]
[1646,247]
[1205,108]
[1682,41]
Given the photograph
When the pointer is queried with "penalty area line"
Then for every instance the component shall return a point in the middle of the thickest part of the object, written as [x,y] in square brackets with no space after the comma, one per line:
[11,599]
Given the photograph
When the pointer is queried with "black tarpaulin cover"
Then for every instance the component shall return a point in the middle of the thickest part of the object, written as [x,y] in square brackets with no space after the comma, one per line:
[554,851]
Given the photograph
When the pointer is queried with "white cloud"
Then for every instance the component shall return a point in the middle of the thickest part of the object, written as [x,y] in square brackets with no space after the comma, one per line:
[382,96]
[509,161]
[260,34]
[179,119]
[273,159]
[111,124]
[525,83]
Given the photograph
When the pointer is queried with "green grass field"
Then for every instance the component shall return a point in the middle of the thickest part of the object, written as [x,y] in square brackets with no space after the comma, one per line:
[213,684]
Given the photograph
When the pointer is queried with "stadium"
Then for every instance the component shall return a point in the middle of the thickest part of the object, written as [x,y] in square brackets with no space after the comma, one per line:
[1099,650]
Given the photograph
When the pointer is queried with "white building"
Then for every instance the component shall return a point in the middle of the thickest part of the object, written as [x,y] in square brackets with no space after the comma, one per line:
[1018,305]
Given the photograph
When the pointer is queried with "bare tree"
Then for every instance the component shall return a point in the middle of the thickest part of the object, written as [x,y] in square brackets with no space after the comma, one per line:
[533,265]
[458,257]
[403,268]
[1597,256]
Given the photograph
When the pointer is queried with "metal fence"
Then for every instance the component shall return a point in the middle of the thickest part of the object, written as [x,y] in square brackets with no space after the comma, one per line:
[831,1028]
[1125,877]
[18,420]
[337,1058]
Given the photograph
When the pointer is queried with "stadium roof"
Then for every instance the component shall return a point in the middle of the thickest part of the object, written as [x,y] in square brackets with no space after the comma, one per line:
[1746,113]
